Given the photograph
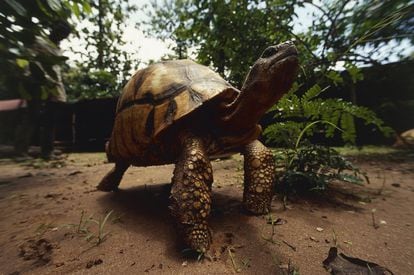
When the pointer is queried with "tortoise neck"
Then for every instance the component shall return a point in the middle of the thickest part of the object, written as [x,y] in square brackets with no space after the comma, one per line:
[247,109]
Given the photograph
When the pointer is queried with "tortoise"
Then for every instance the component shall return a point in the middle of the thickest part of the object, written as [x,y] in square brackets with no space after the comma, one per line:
[184,113]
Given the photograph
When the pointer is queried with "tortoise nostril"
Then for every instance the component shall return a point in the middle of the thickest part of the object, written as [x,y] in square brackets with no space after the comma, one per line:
[269,52]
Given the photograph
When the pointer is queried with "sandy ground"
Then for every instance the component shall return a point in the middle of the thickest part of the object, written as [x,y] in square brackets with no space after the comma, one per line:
[50,215]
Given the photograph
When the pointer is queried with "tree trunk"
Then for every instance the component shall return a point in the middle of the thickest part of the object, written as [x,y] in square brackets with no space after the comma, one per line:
[101,30]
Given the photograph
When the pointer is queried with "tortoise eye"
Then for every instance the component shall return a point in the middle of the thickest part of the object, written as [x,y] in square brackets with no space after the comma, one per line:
[269,52]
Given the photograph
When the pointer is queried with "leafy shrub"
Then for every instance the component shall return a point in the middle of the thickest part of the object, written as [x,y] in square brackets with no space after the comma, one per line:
[313,167]
[295,112]
[310,167]
[84,84]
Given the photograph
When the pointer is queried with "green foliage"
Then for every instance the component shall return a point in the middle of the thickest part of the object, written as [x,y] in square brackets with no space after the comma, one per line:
[347,33]
[354,72]
[227,35]
[103,69]
[378,22]
[310,167]
[230,35]
[297,111]
[22,22]
[84,84]
[313,168]
[104,38]
[352,32]
[101,235]
[97,236]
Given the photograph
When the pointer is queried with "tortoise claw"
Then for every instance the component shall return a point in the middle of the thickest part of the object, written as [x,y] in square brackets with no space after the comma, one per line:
[106,186]
[198,238]
[257,207]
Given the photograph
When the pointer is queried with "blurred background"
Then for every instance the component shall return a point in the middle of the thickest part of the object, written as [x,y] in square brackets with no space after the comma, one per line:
[64,63]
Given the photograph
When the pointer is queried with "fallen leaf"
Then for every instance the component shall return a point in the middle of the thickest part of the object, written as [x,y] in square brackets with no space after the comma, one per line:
[341,264]
[319,229]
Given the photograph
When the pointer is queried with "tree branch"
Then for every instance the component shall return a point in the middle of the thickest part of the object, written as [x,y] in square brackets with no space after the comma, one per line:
[327,39]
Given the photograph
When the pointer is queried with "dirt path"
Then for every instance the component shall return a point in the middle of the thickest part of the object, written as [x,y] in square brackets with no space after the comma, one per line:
[41,231]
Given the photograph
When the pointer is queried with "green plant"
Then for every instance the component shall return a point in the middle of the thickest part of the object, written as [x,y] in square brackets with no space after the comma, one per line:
[44,227]
[83,83]
[271,221]
[102,64]
[22,23]
[313,167]
[295,112]
[226,35]
[101,234]
[83,227]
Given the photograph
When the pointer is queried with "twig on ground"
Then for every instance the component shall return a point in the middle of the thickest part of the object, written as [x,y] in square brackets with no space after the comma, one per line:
[236,269]
[288,244]
[374,223]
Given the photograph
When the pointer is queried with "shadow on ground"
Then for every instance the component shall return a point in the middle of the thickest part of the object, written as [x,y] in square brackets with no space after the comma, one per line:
[235,234]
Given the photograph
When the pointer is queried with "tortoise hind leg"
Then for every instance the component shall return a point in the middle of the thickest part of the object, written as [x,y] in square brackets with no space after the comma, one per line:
[259,178]
[190,194]
[112,179]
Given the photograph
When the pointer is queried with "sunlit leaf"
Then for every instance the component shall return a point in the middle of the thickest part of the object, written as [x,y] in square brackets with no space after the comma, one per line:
[22,63]
[354,72]
[54,4]
[17,7]
[335,77]
[75,9]
[86,7]
[312,92]
[43,8]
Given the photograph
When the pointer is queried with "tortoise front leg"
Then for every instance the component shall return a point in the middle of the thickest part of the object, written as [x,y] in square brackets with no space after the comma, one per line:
[112,179]
[259,178]
[190,194]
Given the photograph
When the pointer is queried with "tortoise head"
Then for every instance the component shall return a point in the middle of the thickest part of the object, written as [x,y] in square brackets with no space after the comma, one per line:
[270,77]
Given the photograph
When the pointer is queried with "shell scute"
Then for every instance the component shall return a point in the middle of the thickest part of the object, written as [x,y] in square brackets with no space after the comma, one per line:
[154,99]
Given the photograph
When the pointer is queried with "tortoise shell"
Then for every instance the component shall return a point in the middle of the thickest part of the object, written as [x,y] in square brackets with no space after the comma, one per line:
[155,99]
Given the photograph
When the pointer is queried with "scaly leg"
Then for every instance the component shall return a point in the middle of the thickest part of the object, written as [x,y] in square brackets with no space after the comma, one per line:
[112,179]
[190,194]
[259,178]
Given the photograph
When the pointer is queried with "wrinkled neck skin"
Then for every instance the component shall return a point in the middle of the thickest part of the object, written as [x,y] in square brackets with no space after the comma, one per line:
[268,80]
[250,105]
